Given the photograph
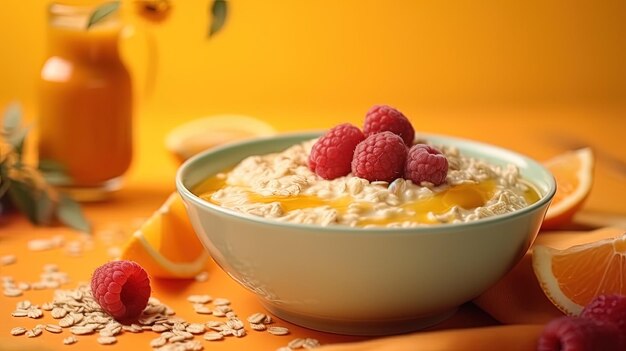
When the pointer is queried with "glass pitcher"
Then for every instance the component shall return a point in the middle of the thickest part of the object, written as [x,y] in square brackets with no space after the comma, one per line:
[85,103]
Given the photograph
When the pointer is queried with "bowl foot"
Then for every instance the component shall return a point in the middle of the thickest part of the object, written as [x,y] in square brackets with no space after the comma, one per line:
[351,327]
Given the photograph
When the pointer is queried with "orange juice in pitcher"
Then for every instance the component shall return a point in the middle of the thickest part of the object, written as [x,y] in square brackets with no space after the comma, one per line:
[85,103]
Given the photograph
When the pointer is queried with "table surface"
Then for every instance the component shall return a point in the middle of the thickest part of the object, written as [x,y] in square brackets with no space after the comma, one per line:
[540,133]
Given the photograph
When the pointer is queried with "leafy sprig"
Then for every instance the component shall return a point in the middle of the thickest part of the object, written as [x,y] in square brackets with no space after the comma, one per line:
[25,187]
[218,11]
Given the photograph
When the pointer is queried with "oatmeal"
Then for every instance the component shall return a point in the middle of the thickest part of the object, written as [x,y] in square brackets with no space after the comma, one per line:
[280,186]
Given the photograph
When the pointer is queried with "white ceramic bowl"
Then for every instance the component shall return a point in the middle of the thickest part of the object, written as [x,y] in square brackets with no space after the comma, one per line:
[362,281]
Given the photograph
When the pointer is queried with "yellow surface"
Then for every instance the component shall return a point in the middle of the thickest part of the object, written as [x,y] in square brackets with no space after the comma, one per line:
[536,77]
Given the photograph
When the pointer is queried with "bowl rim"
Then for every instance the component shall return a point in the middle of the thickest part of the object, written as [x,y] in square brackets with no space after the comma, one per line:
[425,229]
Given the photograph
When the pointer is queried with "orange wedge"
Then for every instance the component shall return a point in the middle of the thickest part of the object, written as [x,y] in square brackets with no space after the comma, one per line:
[200,134]
[166,245]
[573,172]
[572,277]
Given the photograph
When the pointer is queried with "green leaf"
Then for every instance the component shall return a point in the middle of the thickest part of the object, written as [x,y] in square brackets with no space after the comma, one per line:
[12,118]
[54,172]
[70,214]
[25,199]
[48,165]
[219,10]
[17,139]
[102,12]
[5,182]
[45,208]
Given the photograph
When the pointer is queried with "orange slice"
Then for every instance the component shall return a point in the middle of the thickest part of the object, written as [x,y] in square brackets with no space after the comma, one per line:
[572,277]
[200,134]
[166,245]
[573,172]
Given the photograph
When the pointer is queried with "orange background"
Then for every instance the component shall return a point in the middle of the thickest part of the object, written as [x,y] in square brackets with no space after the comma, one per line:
[516,74]
[539,77]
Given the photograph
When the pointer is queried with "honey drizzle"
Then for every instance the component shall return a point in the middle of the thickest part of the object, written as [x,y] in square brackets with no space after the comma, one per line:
[467,196]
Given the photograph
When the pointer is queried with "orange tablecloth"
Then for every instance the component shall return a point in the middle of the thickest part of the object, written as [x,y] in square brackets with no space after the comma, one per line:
[543,134]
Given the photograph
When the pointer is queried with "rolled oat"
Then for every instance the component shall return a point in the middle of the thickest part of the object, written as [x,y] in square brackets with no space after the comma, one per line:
[278,331]
[34,332]
[18,331]
[213,336]
[7,260]
[70,340]
[200,299]
[106,340]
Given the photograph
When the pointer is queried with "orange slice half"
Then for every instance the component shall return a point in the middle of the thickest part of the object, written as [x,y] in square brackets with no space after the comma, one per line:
[166,245]
[572,277]
[573,172]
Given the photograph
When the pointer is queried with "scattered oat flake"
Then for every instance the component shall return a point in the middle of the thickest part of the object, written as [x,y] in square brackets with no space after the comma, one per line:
[220,301]
[195,328]
[58,312]
[70,340]
[23,305]
[159,328]
[202,277]
[199,299]
[278,330]
[235,324]
[202,310]
[12,292]
[7,260]
[40,244]
[20,313]
[53,328]
[310,343]
[34,313]
[106,340]
[177,338]
[218,313]
[158,342]
[213,336]
[23,286]
[258,327]
[81,330]
[67,321]
[34,332]
[18,331]
[296,343]
[256,318]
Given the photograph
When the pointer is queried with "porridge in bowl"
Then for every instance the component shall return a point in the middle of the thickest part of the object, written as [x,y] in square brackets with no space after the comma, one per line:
[283,186]
[314,275]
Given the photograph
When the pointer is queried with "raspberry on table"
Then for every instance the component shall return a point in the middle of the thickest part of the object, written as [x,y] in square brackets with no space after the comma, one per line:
[380,157]
[385,118]
[122,288]
[607,309]
[332,153]
[425,163]
[579,334]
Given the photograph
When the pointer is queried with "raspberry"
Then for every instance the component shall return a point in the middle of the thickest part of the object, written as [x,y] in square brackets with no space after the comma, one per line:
[332,153]
[379,157]
[579,334]
[385,118]
[424,163]
[607,309]
[122,289]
